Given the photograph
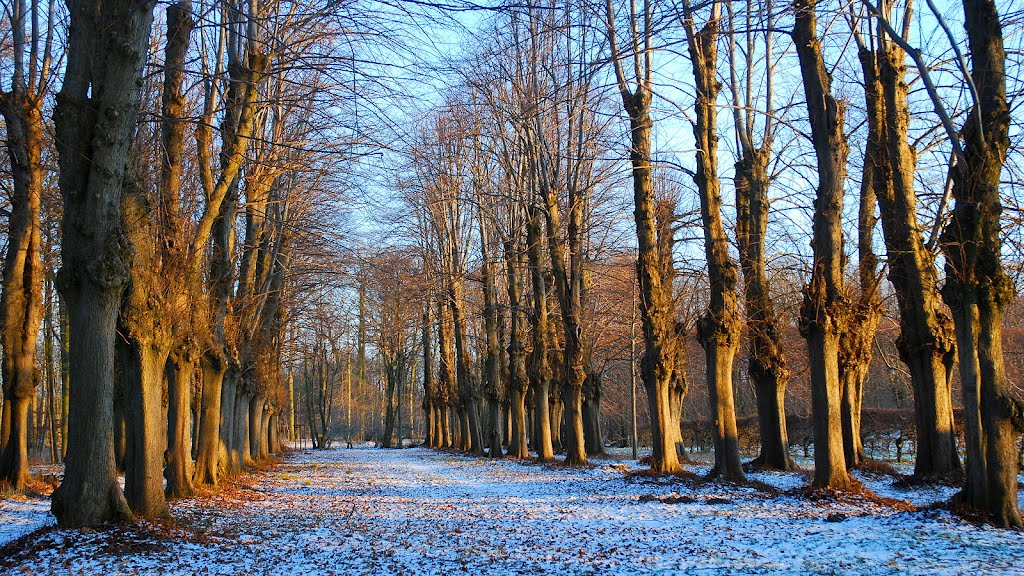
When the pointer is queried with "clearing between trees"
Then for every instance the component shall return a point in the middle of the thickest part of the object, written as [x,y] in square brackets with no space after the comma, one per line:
[418,511]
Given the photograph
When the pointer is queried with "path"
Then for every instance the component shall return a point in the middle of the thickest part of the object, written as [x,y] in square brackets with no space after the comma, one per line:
[416,511]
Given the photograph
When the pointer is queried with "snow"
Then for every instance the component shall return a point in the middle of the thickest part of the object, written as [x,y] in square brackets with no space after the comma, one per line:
[416,511]
[20,515]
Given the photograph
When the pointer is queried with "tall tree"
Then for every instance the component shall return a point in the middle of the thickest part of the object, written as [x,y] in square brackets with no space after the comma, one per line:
[977,288]
[927,342]
[656,304]
[718,330]
[823,310]
[21,298]
[95,120]
[766,362]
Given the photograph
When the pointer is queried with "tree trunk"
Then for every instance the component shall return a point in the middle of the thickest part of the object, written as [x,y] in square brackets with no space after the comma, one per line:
[567,283]
[228,458]
[718,330]
[517,377]
[592,434]
[21,299]
[147,429]
[540,376]
[469,393]
[179,372]
[207,471]
[241,450]
[107,45]
[654,278]
[926,343]
[491,372]
[821,314]
[256,429]
[977,288]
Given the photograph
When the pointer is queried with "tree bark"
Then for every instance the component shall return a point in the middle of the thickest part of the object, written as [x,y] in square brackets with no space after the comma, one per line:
[719,327]
[207,472]
[21,298]
[179,371]
[977,287]
[143,376]
[540,376]
[95,120]
[822,311]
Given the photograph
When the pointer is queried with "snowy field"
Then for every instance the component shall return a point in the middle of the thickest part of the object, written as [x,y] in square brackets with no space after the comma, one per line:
[415,511]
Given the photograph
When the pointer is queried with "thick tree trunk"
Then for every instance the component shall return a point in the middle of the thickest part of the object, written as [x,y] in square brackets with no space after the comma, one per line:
[228,458]
[207,471]
[256,429]
[241,449]
[147,429]
[15,455]
[718,329]
[926,342]
[179,372]
[821,314]
[106,50]
[977,287]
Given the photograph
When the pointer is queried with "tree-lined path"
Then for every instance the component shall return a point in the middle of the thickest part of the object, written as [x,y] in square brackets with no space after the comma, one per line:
[416,511]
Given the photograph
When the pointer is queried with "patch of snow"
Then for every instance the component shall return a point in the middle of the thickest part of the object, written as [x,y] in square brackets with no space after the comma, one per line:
[21,515]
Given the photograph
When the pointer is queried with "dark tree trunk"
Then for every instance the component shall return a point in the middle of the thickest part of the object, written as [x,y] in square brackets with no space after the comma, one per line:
[106,49]
[143,376]
[592,433]
[822,311]
[977,287]
[518,381]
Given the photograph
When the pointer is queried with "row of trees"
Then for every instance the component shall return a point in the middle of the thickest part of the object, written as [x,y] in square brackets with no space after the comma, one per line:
[199,162]
[508,176]
[196,161]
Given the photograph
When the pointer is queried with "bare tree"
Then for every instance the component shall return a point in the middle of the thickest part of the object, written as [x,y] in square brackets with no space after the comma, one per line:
[823,310]
[21,299]
[106,49]
[718,330]
[660,334]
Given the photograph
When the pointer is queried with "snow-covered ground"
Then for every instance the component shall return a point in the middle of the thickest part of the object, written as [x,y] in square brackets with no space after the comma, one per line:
[415,511]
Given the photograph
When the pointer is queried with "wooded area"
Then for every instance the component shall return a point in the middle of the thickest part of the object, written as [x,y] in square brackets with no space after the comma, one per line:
[238,226]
